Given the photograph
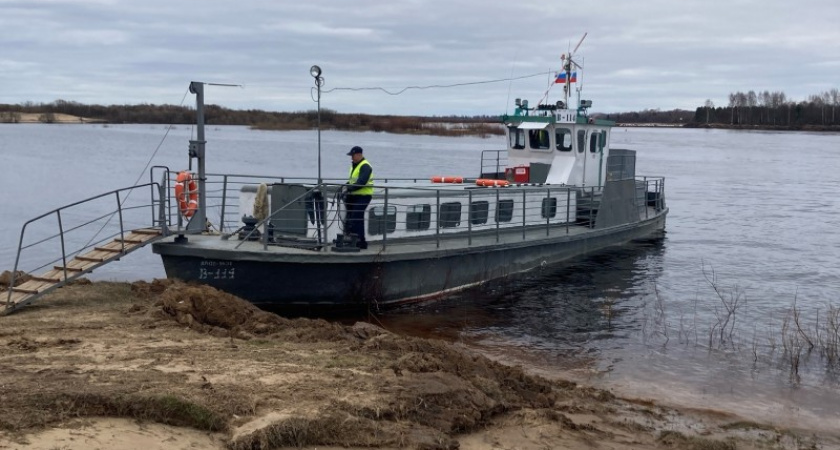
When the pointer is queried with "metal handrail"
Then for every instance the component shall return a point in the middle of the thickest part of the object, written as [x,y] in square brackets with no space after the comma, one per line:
[264,222]
[584,199]
[500,163]
[226,181]
[63,232]
[165,204]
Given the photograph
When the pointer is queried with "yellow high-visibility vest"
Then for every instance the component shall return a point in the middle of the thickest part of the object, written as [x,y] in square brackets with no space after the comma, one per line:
[354,175]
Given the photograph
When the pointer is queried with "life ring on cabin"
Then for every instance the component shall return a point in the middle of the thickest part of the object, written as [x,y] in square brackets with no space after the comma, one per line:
[440,179]
[186,193]
[487,182]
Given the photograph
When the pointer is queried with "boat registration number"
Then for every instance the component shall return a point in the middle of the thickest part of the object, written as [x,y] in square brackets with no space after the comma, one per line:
[216,270]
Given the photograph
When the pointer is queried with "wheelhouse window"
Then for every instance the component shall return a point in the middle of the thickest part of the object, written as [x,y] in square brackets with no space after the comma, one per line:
[504,210]
[563,137]
[479,210]
[418,217]
[594,138]
[581,141]
[380,221]
[549,207]
[517,138]
[602,142]
[450,215]
[538,139]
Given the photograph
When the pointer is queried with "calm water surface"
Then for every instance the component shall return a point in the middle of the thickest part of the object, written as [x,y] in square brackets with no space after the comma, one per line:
[755,213]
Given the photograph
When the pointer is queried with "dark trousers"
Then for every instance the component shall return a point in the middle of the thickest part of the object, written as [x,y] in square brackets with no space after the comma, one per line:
[356,205]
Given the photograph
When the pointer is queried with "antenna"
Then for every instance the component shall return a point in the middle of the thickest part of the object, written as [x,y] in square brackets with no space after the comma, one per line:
[580,42]
[568,62]
[510,83]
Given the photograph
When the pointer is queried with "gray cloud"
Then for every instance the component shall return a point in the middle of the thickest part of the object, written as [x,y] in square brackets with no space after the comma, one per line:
[646,54]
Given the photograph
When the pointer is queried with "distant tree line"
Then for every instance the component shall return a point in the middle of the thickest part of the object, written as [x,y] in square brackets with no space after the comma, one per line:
[773,110]
[652,116]
[218,115]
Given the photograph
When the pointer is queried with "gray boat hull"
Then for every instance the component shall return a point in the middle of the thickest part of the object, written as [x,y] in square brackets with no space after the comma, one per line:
[380,278]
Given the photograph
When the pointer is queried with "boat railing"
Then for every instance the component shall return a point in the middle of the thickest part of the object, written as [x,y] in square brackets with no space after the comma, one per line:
[478,212]
[574,207]
[493,163]
[223,190]
[549,208]
[74,230]
[490,212]
[650,194]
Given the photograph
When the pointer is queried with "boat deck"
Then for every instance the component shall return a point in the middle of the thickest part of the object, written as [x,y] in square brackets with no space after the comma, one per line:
[212,246]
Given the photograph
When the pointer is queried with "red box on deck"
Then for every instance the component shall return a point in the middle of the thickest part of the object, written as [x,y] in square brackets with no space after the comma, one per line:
[518,174]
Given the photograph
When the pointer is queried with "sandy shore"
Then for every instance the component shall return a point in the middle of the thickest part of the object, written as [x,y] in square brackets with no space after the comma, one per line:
[168,365]
[56,118]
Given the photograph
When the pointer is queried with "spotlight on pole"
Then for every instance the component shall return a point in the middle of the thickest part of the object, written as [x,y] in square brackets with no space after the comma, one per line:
[315,71]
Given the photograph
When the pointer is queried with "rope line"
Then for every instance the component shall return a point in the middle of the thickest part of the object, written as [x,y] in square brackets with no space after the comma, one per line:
[142,172]
[434,86]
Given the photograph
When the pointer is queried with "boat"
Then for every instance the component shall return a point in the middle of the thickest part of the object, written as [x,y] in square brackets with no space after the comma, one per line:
[559,190]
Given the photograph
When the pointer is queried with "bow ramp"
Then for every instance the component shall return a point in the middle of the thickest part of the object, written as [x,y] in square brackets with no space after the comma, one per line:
[69,242]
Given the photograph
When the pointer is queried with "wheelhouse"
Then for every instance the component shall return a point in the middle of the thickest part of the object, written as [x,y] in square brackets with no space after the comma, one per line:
[551,144]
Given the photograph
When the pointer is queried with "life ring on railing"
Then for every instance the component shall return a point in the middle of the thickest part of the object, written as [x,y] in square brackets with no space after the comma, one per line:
[441,179]
[186,193]
[490,182]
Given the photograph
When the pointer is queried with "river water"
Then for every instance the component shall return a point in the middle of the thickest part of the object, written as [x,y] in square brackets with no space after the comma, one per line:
[752,228]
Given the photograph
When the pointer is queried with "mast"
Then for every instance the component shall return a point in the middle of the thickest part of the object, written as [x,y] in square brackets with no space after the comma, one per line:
[568,65]
[198,221]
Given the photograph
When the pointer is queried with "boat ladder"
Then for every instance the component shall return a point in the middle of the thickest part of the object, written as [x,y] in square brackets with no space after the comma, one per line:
[36,286]
[62,245]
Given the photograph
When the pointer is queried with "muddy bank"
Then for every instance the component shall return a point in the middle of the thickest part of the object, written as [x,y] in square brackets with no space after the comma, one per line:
[186,357]
[18,278]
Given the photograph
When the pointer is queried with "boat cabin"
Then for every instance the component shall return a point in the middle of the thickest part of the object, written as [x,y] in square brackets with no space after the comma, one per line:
[551,144]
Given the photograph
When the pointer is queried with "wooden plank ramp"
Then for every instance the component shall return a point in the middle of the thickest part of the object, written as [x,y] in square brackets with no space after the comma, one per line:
[58,276]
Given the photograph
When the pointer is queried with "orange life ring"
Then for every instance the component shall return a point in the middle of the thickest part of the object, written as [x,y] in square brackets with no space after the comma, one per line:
[186,192]
[490,182]
[442,179]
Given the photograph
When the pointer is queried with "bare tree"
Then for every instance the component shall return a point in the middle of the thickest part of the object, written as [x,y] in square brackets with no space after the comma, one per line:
[732,108]
[752,101]
[709,105]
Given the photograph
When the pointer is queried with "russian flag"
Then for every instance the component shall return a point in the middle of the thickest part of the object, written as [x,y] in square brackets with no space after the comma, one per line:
[561,77]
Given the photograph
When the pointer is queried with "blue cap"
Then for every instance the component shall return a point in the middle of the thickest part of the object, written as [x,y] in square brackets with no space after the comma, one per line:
[355,150]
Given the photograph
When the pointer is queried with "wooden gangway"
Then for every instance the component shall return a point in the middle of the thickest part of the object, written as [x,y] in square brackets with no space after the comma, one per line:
[59,275]
[61,245]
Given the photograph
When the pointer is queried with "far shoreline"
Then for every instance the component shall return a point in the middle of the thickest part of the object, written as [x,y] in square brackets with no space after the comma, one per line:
[481,130]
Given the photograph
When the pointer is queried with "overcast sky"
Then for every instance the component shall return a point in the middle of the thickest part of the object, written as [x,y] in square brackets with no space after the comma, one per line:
[638,54]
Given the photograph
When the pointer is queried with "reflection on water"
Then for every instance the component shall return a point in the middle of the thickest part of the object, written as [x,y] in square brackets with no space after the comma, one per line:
[554,308]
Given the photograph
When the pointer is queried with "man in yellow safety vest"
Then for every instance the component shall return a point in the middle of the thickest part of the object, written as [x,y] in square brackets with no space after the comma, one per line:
[359,194]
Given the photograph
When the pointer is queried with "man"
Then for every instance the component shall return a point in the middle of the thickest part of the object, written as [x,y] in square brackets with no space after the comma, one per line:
[359,193]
